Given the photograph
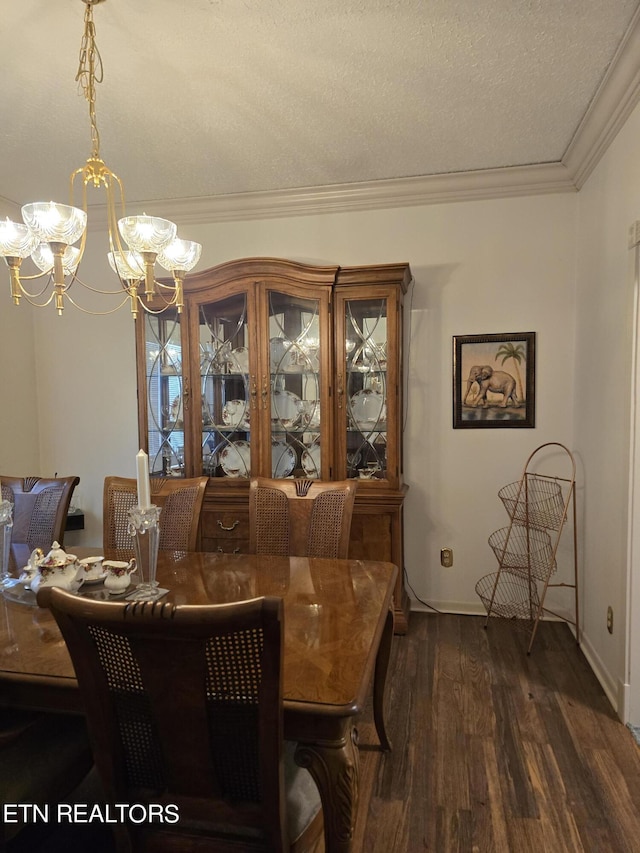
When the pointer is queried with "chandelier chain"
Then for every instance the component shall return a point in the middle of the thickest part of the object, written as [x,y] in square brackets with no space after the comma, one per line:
[90,72]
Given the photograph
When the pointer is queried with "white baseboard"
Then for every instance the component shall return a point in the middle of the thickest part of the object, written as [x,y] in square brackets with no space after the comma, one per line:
[610,685]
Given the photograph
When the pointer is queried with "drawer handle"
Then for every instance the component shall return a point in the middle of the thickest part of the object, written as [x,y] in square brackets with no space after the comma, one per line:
[235,550]
[229,529]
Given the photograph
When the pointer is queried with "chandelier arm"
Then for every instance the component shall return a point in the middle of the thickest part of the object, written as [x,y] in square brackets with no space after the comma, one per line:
[31,299]
[30,296]
[148,310]
[75,278]
[34,277]
[98,313]
[166,303]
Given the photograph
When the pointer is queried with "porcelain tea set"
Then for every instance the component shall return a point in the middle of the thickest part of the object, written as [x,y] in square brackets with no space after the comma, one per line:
[57,568]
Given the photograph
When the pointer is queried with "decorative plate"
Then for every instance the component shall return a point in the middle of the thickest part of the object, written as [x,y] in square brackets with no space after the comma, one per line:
[286,409]
[368,409]
[235,413]
[283,459]
[311,414]
[235,459]
[239,360]
[311,460]
[283,356]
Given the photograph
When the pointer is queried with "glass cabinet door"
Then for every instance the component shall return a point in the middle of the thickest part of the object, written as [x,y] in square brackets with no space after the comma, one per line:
[223,426]
[364,387]
[164,394]
[296,353]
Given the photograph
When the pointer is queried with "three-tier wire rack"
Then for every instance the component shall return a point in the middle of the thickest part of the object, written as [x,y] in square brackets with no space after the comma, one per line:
[538,506]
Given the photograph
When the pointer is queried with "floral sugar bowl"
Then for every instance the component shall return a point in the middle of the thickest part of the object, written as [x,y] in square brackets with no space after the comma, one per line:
[118,574]
[57,568]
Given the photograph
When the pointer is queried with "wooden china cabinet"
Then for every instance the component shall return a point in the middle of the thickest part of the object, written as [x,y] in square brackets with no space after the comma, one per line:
[281,369]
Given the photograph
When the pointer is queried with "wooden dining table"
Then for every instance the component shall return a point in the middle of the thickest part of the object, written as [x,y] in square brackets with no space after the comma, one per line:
[338,634]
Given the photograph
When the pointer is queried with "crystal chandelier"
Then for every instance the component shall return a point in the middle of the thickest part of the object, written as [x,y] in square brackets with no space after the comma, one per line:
[49,230]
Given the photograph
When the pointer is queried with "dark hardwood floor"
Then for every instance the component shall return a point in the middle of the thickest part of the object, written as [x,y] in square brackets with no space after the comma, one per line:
[493,750]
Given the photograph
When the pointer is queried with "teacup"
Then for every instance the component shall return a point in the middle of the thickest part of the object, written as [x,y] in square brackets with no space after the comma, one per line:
[366,473]
[92,568]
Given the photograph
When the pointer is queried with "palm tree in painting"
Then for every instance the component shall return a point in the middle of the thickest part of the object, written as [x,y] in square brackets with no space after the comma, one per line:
[517,354]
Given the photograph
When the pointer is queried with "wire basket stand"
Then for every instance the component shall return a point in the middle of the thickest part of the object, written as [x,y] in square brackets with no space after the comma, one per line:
[538,506]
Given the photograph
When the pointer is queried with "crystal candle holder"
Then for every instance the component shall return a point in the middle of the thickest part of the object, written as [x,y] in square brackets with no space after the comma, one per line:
[144,527]
[6,525]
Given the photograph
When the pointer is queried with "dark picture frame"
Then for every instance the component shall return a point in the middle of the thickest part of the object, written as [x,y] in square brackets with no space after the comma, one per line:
[494,381]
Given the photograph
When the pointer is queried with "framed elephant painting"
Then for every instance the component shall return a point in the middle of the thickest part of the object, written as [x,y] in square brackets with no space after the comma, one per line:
[494,380]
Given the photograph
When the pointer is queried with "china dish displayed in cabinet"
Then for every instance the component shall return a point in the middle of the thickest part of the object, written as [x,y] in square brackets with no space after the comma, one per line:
[281,369]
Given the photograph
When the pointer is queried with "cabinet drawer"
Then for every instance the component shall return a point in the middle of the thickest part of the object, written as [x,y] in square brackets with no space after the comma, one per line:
[230,524]
[226,546]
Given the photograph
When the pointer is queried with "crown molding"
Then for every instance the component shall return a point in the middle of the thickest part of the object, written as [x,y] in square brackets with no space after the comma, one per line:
[615,99]
[373,195]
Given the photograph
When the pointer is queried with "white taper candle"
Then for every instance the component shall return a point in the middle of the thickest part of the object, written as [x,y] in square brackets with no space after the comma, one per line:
[142,469]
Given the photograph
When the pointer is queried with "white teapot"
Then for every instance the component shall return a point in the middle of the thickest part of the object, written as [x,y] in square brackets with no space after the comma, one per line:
[57,568]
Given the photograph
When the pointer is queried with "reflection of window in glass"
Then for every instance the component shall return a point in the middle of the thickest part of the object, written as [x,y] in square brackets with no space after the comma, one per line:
[366,335]
[164,393]
[294,334]
[366,357]
[224,337]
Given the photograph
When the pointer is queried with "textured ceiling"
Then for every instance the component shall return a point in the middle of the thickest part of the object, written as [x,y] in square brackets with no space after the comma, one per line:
[209,97]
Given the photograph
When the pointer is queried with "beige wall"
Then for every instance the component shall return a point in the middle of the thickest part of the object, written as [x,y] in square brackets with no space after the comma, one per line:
[19,421]
[486,266]
[494,266]
[603,397]
[19,433]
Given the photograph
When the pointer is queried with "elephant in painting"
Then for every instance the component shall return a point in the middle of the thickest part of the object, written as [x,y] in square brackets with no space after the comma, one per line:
[496,381]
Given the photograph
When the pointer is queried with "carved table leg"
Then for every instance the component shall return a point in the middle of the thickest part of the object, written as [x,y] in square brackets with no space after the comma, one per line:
[380,680]
[335,768]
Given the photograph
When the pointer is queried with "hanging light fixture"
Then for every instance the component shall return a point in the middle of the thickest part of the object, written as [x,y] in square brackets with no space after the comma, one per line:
[136,243]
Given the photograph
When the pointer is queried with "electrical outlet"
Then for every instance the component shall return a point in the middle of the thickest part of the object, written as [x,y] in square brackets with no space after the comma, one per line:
[446,557]
[610,620]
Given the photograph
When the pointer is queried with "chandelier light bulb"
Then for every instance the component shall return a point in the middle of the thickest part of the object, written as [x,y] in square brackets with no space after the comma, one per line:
[128,265]
[180,255]
[43,258]
[16,239]
[55,223]
[146,233]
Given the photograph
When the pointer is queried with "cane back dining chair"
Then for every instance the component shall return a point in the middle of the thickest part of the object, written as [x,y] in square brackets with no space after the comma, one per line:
[300,518]
[180,503]
[40,508]
[184,708]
